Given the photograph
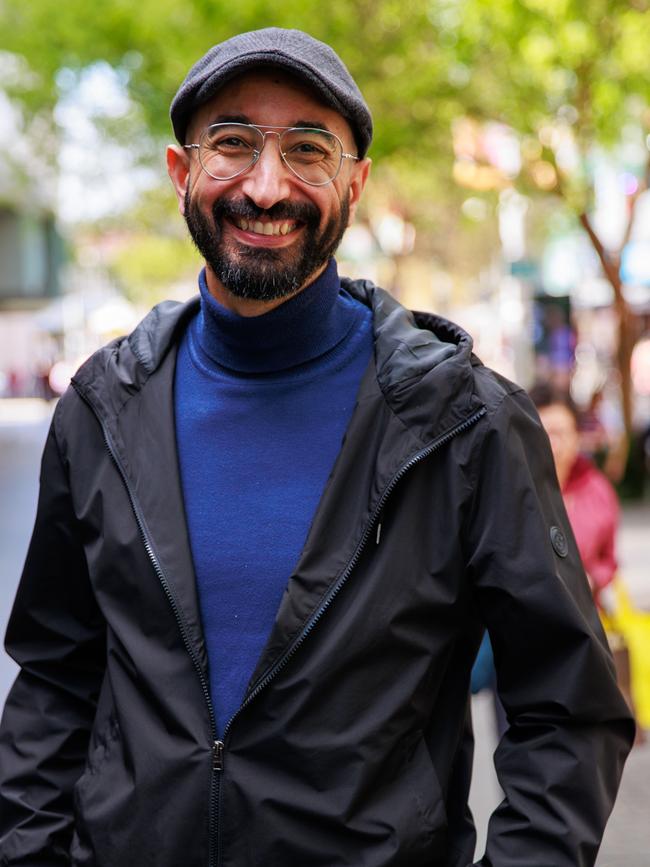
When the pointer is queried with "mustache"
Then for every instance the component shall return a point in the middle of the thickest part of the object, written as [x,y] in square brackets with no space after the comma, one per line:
[246,209]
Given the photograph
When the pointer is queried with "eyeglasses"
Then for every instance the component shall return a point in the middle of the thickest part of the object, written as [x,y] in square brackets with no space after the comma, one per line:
[229,149]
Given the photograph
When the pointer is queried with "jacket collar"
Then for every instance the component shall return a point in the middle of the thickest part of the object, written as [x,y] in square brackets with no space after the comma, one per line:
[421,360]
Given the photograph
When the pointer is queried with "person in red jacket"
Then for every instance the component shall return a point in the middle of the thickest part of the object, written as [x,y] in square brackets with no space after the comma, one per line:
[591,501]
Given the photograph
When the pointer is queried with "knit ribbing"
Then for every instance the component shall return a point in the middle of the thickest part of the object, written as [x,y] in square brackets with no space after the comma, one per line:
[262,404]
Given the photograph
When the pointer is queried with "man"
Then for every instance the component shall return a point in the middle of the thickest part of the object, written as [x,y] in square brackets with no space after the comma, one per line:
[271,525]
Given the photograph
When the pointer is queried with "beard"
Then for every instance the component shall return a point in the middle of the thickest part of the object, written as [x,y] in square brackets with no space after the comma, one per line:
[262,273]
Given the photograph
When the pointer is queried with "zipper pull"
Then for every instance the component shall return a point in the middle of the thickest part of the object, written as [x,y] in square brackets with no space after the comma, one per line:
[217,756]
[378,536]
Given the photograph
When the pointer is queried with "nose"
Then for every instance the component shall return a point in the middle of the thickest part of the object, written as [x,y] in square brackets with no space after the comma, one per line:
[267,182]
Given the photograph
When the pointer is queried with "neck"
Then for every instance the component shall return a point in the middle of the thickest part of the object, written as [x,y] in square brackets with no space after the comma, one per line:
[249,306]
[311,323]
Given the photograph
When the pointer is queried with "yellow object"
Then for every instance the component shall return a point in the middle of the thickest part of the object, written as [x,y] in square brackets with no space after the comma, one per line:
[634,625]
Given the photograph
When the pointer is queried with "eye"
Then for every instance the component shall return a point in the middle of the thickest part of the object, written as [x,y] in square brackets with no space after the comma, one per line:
[306,147]
[306,151]
[230,143]
[229,139]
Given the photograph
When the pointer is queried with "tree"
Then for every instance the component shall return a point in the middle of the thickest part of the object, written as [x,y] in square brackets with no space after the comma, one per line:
[549,69]
[396,49]
[569,84]
[391,46]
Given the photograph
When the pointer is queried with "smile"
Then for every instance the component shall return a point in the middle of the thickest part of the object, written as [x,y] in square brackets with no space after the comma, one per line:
[270,228]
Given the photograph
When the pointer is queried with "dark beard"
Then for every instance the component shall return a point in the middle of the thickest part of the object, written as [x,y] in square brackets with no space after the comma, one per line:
[260,273]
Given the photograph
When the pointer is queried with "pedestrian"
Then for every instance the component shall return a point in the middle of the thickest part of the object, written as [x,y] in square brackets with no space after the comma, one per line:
[271,523]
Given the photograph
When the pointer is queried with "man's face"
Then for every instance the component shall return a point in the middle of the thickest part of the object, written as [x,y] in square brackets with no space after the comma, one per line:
[266,234]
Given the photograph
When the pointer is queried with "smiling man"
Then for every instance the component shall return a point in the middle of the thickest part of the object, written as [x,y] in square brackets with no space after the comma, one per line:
[265,234]
[273,524]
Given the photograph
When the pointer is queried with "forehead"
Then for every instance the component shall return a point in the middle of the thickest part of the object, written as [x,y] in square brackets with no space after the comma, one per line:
[270,97]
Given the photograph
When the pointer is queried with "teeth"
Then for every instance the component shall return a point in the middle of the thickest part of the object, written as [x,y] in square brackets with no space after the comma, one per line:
[264,228]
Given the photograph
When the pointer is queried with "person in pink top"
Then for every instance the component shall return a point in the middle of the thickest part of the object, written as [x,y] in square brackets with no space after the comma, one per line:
[591,501]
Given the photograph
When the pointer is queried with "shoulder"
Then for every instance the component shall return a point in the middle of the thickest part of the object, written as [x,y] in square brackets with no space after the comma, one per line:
[423,359]
[133,357]
[119,369]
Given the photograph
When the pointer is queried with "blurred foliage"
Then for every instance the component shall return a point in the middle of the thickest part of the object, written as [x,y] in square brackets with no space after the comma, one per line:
[548,67]
[148,262]
[150,247]
[535,65]
[420,64]
[390,46]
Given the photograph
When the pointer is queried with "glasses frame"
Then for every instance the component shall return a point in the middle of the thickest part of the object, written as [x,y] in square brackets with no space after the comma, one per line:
[271,130]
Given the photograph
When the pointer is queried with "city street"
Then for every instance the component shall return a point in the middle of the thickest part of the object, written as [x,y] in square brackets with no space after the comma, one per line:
[23,426]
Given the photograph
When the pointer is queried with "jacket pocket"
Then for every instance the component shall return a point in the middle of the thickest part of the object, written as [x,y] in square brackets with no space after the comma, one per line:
[403,816]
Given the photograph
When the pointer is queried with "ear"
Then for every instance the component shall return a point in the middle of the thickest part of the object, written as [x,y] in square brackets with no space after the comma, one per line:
[178,168]
[360,174]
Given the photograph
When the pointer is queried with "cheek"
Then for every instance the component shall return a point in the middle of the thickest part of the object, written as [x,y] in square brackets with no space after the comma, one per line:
[199,192]
[330,206]
[204,190]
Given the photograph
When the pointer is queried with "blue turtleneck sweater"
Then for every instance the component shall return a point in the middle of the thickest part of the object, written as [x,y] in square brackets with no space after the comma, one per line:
[262,404]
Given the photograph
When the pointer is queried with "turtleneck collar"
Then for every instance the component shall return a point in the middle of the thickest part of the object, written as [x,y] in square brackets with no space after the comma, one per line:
[299,330]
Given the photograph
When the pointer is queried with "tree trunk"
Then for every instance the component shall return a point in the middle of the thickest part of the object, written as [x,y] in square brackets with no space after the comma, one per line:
[626,331]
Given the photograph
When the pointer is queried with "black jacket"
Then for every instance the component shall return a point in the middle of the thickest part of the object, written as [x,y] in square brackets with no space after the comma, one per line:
[349,750]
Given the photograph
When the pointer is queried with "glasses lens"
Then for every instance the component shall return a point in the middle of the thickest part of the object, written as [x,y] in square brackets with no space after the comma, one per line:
[226,149]
[314,155]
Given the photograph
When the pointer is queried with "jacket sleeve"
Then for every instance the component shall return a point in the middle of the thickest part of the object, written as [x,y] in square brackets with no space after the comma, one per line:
[560,762]
[56,635]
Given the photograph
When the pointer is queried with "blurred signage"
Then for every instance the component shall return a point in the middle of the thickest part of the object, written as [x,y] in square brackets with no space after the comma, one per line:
[554,337]
[525,269]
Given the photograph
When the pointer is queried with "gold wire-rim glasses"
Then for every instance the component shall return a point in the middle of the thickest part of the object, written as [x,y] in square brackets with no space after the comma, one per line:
[255,152]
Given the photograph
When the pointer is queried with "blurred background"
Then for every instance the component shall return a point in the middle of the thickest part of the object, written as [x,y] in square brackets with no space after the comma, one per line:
[509,192]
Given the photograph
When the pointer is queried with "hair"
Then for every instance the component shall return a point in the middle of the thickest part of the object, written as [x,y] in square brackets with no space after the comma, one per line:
[545,394]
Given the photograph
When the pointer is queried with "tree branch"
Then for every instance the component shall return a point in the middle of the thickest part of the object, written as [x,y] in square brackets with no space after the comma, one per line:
[633,201]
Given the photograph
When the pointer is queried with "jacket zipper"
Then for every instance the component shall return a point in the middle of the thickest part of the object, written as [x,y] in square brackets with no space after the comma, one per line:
[217,745]
[220,746]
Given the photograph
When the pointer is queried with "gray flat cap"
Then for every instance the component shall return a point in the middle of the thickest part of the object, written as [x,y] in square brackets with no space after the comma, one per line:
[292,50]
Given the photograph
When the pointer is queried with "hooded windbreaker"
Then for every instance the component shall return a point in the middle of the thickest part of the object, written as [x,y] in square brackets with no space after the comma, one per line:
[351,747]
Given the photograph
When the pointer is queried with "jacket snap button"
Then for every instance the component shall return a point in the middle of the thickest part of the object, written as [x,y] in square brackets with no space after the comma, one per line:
[559,542]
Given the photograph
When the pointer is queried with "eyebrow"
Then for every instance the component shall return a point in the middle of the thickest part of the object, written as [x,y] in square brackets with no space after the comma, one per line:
[242,118]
